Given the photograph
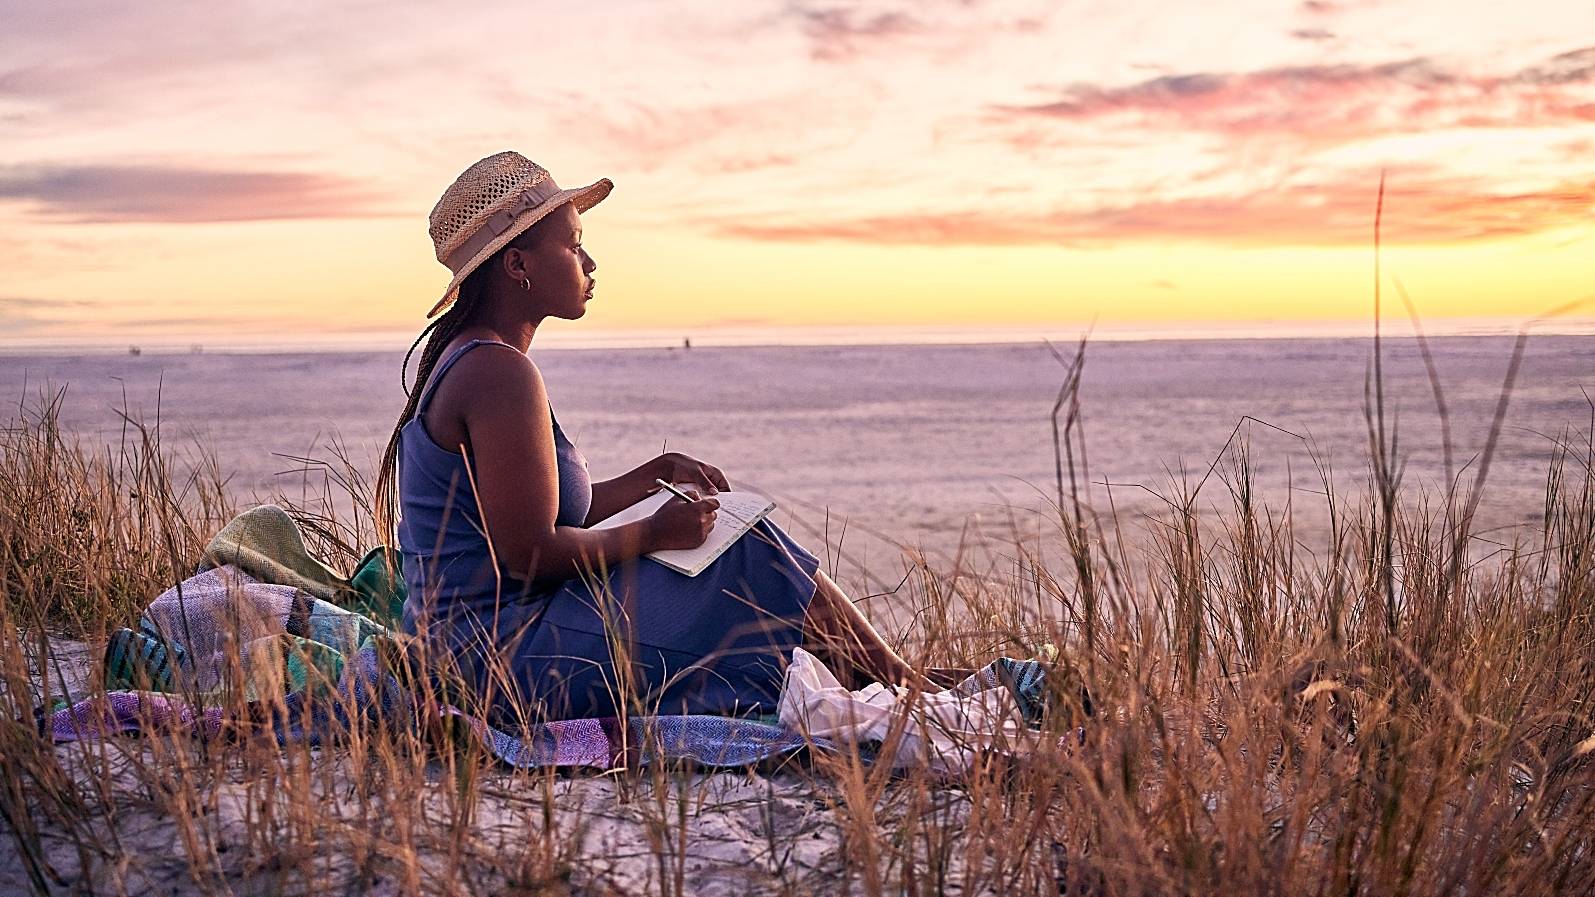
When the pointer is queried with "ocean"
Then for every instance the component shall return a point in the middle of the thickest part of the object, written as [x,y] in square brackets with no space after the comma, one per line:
[873,449]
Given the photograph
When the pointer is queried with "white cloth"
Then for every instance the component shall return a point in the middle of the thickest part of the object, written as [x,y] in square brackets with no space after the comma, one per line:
[944,730]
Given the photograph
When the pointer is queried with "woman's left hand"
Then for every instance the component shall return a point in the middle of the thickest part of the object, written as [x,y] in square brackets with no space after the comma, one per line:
[674,467]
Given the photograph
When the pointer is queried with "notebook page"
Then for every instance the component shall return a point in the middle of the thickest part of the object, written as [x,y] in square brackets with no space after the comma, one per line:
[738,511]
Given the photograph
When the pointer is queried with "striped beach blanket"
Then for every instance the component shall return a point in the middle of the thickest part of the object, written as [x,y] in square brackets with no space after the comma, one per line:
[309,669]
[311,654]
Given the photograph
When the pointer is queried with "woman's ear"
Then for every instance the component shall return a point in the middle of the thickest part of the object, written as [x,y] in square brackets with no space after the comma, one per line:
[517,263]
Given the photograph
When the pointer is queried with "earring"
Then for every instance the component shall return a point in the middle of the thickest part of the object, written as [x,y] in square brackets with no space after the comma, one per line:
[526,284]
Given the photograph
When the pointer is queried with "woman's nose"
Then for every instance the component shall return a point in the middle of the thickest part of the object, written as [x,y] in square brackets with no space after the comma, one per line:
[588,264]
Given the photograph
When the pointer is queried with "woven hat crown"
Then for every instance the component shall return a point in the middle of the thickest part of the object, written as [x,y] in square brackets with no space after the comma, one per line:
[476,195]
[492,203]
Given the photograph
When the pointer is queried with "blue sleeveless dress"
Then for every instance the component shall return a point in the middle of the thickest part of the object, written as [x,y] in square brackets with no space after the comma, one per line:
[637,637]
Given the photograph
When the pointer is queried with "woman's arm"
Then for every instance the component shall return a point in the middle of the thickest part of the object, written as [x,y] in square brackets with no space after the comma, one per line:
[611,496]
[505,413]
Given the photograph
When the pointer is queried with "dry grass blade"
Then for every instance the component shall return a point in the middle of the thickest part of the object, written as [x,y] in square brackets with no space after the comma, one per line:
[1258,730]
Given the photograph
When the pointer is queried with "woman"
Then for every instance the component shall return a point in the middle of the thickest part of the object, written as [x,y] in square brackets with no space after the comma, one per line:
[542,615]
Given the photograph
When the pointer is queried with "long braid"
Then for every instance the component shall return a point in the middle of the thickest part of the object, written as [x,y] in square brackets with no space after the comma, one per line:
[473,293]
[442,332]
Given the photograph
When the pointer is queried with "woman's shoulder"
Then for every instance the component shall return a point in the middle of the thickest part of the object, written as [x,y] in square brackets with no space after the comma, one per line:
[491,372]
[486,379]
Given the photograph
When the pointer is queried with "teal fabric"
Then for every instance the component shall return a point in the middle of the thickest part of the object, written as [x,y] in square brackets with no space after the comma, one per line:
[136,659]
[378,589]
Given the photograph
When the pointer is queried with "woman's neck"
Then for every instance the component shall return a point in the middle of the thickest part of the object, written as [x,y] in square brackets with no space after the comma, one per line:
[514,330]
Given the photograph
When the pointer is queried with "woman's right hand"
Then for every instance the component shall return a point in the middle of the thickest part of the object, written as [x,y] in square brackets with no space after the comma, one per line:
[680,524]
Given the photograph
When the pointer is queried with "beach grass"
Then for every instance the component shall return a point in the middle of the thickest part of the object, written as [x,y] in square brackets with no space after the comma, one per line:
[1404,708]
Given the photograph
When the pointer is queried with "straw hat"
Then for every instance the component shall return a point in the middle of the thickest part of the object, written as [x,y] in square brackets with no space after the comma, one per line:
[492,203]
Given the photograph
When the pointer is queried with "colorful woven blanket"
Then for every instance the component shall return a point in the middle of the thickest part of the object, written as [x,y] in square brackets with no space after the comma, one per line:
[259,620]
[308,669]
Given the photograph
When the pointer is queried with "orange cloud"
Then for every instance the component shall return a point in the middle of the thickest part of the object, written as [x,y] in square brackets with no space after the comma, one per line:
[27,316]
[1420,208]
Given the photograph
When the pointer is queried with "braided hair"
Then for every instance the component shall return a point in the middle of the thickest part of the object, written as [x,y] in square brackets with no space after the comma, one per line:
[438,335]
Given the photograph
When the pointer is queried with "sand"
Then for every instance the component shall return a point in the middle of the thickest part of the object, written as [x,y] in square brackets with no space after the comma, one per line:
[747,832]
[908,441]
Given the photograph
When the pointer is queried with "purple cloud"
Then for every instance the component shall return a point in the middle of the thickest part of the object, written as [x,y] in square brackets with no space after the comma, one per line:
[846,30]
[1576,67]
[838,33]
[110,193]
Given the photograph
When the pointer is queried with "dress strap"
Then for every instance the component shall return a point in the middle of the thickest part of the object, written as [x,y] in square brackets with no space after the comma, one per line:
[448,362]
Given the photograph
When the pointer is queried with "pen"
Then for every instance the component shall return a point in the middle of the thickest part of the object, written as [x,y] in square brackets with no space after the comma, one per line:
[685,497]
[674,491]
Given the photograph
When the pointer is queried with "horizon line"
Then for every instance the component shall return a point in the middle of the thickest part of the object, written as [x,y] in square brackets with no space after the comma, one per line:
[750,336]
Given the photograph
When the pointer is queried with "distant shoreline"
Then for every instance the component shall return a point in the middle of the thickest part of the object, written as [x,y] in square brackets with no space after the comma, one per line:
[564,338]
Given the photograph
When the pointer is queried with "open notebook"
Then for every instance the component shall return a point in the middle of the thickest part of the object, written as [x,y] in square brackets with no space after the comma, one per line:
[739,511]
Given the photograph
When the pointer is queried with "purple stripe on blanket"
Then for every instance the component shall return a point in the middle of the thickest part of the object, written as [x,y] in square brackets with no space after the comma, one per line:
[365,690]
[120,712]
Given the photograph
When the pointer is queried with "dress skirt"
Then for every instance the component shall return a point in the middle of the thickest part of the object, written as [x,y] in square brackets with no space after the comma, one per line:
[641,638]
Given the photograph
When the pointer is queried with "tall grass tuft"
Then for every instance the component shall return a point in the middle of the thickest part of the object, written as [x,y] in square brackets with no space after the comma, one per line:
[1403,709]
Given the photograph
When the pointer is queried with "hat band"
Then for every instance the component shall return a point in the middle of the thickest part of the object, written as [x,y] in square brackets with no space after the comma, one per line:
[501,221]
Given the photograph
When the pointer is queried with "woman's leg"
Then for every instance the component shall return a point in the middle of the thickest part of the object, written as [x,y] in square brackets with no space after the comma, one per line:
[838,632]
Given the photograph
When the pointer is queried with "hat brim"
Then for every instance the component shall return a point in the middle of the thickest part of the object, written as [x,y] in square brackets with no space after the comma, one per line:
[584,198]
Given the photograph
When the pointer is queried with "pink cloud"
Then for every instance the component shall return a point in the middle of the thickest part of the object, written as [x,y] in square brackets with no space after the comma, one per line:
[1329,104]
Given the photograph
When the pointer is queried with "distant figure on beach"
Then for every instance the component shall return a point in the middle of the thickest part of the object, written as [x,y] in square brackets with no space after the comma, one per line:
[686,342]
[542,614]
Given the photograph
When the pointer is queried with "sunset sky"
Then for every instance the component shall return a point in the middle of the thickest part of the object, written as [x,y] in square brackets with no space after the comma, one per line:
[213,172]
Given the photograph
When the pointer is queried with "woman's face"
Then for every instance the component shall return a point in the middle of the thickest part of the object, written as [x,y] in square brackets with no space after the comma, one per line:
[559,269]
